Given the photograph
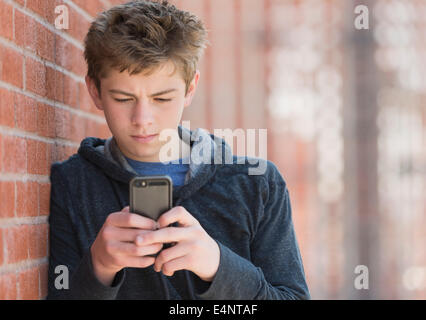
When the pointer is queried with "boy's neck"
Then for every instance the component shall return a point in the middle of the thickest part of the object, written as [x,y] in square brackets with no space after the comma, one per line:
[182,153]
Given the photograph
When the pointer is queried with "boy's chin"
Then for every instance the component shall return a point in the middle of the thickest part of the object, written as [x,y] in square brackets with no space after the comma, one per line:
[138,152]
[147,155]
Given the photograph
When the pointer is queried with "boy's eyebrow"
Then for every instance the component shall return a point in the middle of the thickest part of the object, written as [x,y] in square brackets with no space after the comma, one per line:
[132,95]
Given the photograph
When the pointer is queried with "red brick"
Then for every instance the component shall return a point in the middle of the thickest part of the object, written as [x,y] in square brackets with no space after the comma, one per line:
[70,92]
[14,154]
[53,152]
[69,151]
[21,2]
[1,247]
[69,56]
[29,284]
[16,241]
[37,241]
[7,110]
[78,64]
[43,8]
[93,7]
[7,196]
[6,20]
[37,6]
[78,25]
[11,66]
[50,147]
[115,2]
[78,128]
[63,52]
[59,86]
[26,113]
[26,31]
[86,102]
[45,43]
[58,152]
[51,84]
[34,36]
[44,198]
[43,269]
[37,157]
[62,123]
[1,153]
[26,199]
[50,14]
[35,77]
[45,120]
[62,152]
[91,128]
[19,35]
[8,287]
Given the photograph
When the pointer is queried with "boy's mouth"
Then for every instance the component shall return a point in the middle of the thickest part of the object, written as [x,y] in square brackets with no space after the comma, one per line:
[144,138]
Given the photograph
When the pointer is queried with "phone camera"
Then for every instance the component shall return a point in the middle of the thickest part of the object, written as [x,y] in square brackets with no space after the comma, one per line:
[139,184]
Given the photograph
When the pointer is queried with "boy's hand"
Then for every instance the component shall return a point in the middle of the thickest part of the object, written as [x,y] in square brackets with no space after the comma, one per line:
[194,250]
[114,247]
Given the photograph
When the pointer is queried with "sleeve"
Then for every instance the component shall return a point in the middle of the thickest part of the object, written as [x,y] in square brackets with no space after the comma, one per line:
[70,272]
[275,271]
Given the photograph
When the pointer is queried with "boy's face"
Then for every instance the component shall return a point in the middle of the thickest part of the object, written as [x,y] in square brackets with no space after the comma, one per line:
[142,105]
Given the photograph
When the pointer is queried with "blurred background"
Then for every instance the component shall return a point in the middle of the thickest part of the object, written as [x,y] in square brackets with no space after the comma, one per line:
[345,112]
[340,90]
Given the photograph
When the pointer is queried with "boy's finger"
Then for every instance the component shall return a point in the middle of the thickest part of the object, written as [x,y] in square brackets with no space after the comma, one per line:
[126,234]
[130,249]
[171,253]
[139,262]
[131,220]
[170,267]
[165,235]
[179,215]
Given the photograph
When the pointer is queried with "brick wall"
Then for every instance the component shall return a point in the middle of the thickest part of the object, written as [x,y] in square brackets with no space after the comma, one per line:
[45,112]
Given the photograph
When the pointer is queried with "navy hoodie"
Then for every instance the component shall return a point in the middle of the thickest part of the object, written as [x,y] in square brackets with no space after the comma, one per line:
[248,215]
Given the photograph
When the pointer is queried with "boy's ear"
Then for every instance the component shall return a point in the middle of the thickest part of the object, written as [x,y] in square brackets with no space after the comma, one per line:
[94,92]
[192,88]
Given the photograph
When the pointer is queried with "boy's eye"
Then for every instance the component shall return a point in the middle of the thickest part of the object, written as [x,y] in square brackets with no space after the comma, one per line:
[163,100]
[122,100]
[157,99]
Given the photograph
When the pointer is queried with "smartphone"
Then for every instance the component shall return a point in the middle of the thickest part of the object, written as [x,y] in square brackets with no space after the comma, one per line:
[151,196]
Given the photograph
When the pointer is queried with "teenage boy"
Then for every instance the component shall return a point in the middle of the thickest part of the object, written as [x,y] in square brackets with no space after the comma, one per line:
[232,232]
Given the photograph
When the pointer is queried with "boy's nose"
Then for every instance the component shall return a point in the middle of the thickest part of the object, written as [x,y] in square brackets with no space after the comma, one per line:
[142,115]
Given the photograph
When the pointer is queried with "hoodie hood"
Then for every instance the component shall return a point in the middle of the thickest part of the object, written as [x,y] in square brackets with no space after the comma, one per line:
[206,151]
